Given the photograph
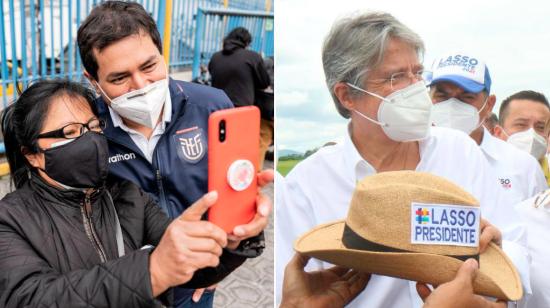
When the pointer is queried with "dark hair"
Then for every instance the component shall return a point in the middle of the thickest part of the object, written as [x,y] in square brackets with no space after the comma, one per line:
[527,94]
[22,121]
[493,118]
[110,22]
[238,36]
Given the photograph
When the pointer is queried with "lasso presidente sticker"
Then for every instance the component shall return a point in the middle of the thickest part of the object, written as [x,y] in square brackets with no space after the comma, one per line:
[444,224]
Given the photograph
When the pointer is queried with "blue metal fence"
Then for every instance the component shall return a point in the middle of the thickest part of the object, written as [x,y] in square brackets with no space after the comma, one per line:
[38,37]
[214,24]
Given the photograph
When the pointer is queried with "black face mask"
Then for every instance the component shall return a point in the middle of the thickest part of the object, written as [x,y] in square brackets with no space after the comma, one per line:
[82,163]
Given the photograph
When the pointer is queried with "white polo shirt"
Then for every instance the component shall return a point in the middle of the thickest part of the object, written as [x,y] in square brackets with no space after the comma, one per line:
[535,212]
[519,175]
[146,146]
[319,190]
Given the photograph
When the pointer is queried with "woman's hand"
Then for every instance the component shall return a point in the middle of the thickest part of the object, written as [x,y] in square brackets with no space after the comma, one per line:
[188,244]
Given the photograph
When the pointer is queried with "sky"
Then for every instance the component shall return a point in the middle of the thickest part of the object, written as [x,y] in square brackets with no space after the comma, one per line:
[513,37]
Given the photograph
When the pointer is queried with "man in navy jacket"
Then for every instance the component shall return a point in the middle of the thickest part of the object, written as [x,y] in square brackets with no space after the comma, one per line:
[156,126]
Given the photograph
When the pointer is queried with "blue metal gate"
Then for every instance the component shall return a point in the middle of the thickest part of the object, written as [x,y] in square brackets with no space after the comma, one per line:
[38,37]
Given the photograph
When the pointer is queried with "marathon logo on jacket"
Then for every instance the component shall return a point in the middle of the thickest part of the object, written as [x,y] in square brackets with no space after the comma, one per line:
[121,157]
[191,144]
[444,224]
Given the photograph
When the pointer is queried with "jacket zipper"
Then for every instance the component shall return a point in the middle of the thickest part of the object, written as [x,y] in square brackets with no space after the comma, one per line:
[162,197]
[86,211]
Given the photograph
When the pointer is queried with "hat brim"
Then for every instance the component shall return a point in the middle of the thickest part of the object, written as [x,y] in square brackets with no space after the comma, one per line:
[463,82]
[497,276]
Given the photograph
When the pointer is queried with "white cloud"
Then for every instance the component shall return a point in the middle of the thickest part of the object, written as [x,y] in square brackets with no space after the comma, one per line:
[289,99]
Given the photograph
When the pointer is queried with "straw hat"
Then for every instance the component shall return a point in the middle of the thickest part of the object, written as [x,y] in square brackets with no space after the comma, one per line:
[402,224]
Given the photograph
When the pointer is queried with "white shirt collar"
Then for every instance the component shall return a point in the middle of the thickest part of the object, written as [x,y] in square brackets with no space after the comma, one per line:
[489,145]
[355,164]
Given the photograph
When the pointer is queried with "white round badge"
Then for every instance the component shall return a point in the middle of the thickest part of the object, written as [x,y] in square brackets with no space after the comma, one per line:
[240,174]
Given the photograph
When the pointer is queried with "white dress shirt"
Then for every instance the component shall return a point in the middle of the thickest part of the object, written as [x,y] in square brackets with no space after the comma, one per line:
[319,190]
[146,146]
[519,175]
[535,212]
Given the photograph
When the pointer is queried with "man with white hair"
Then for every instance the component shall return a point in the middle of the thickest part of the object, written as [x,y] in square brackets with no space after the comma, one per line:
[373,72]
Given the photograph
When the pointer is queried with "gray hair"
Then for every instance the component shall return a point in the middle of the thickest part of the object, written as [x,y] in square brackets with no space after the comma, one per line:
[356,44]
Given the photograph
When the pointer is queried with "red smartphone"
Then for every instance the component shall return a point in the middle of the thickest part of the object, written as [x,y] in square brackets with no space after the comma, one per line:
[233,159]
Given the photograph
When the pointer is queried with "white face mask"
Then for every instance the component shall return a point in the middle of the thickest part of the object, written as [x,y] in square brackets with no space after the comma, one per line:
[528,141]
[142,106]
[404,115]
[456,114]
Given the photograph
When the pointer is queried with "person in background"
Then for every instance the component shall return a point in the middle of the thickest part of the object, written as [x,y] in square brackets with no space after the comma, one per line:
[490,122]
[521,121]
[461,92]
[535,213]
[204,77]
[237,70]
[265,101]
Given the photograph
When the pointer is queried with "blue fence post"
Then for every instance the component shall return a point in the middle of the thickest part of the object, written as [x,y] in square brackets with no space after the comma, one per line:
[160,19]
[34,70]
[42,47]
[198,38]
[78,67]
[4,57]
[23,44]
[70,72]
[52,57]
[14,62]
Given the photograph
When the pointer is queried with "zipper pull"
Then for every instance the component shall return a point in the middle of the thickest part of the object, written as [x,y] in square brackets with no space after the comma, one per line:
[88,203]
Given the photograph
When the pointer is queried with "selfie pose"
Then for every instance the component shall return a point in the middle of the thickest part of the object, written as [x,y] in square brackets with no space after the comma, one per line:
[72,238]
[157,127]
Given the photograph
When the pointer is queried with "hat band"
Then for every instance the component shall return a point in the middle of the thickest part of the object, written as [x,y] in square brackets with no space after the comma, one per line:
[352,240]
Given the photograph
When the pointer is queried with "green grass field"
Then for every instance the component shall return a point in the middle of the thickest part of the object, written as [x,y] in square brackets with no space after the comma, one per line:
[284,166]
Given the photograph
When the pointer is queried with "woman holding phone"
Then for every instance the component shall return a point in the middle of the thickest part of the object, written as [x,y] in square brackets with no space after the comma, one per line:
[71,238]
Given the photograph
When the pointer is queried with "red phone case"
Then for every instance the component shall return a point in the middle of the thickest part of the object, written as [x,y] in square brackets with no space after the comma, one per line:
[231,161]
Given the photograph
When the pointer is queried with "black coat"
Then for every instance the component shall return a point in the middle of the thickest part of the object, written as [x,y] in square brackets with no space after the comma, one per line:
[239,72]
[49,258]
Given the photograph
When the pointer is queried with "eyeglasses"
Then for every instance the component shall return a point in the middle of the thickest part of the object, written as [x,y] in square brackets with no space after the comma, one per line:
[75,130]
[401,80]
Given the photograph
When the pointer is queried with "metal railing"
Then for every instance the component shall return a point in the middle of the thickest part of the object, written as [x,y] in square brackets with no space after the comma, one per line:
[214,24]
[38,37]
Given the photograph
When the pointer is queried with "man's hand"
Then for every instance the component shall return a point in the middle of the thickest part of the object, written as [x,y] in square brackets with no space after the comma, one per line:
[333,287]
[199,292]
[457,293]
[188,244]
[260,220]
[489,233]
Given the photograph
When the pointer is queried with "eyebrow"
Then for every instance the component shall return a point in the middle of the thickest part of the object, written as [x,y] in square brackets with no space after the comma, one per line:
[75,122]
[520,120]
[115,75]
[390,71]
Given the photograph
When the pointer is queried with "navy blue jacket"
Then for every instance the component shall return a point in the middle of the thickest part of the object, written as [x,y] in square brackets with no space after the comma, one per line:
[178,175]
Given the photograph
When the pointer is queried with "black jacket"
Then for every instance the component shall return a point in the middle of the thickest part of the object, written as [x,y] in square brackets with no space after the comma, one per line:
[51,242]
[239,72]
